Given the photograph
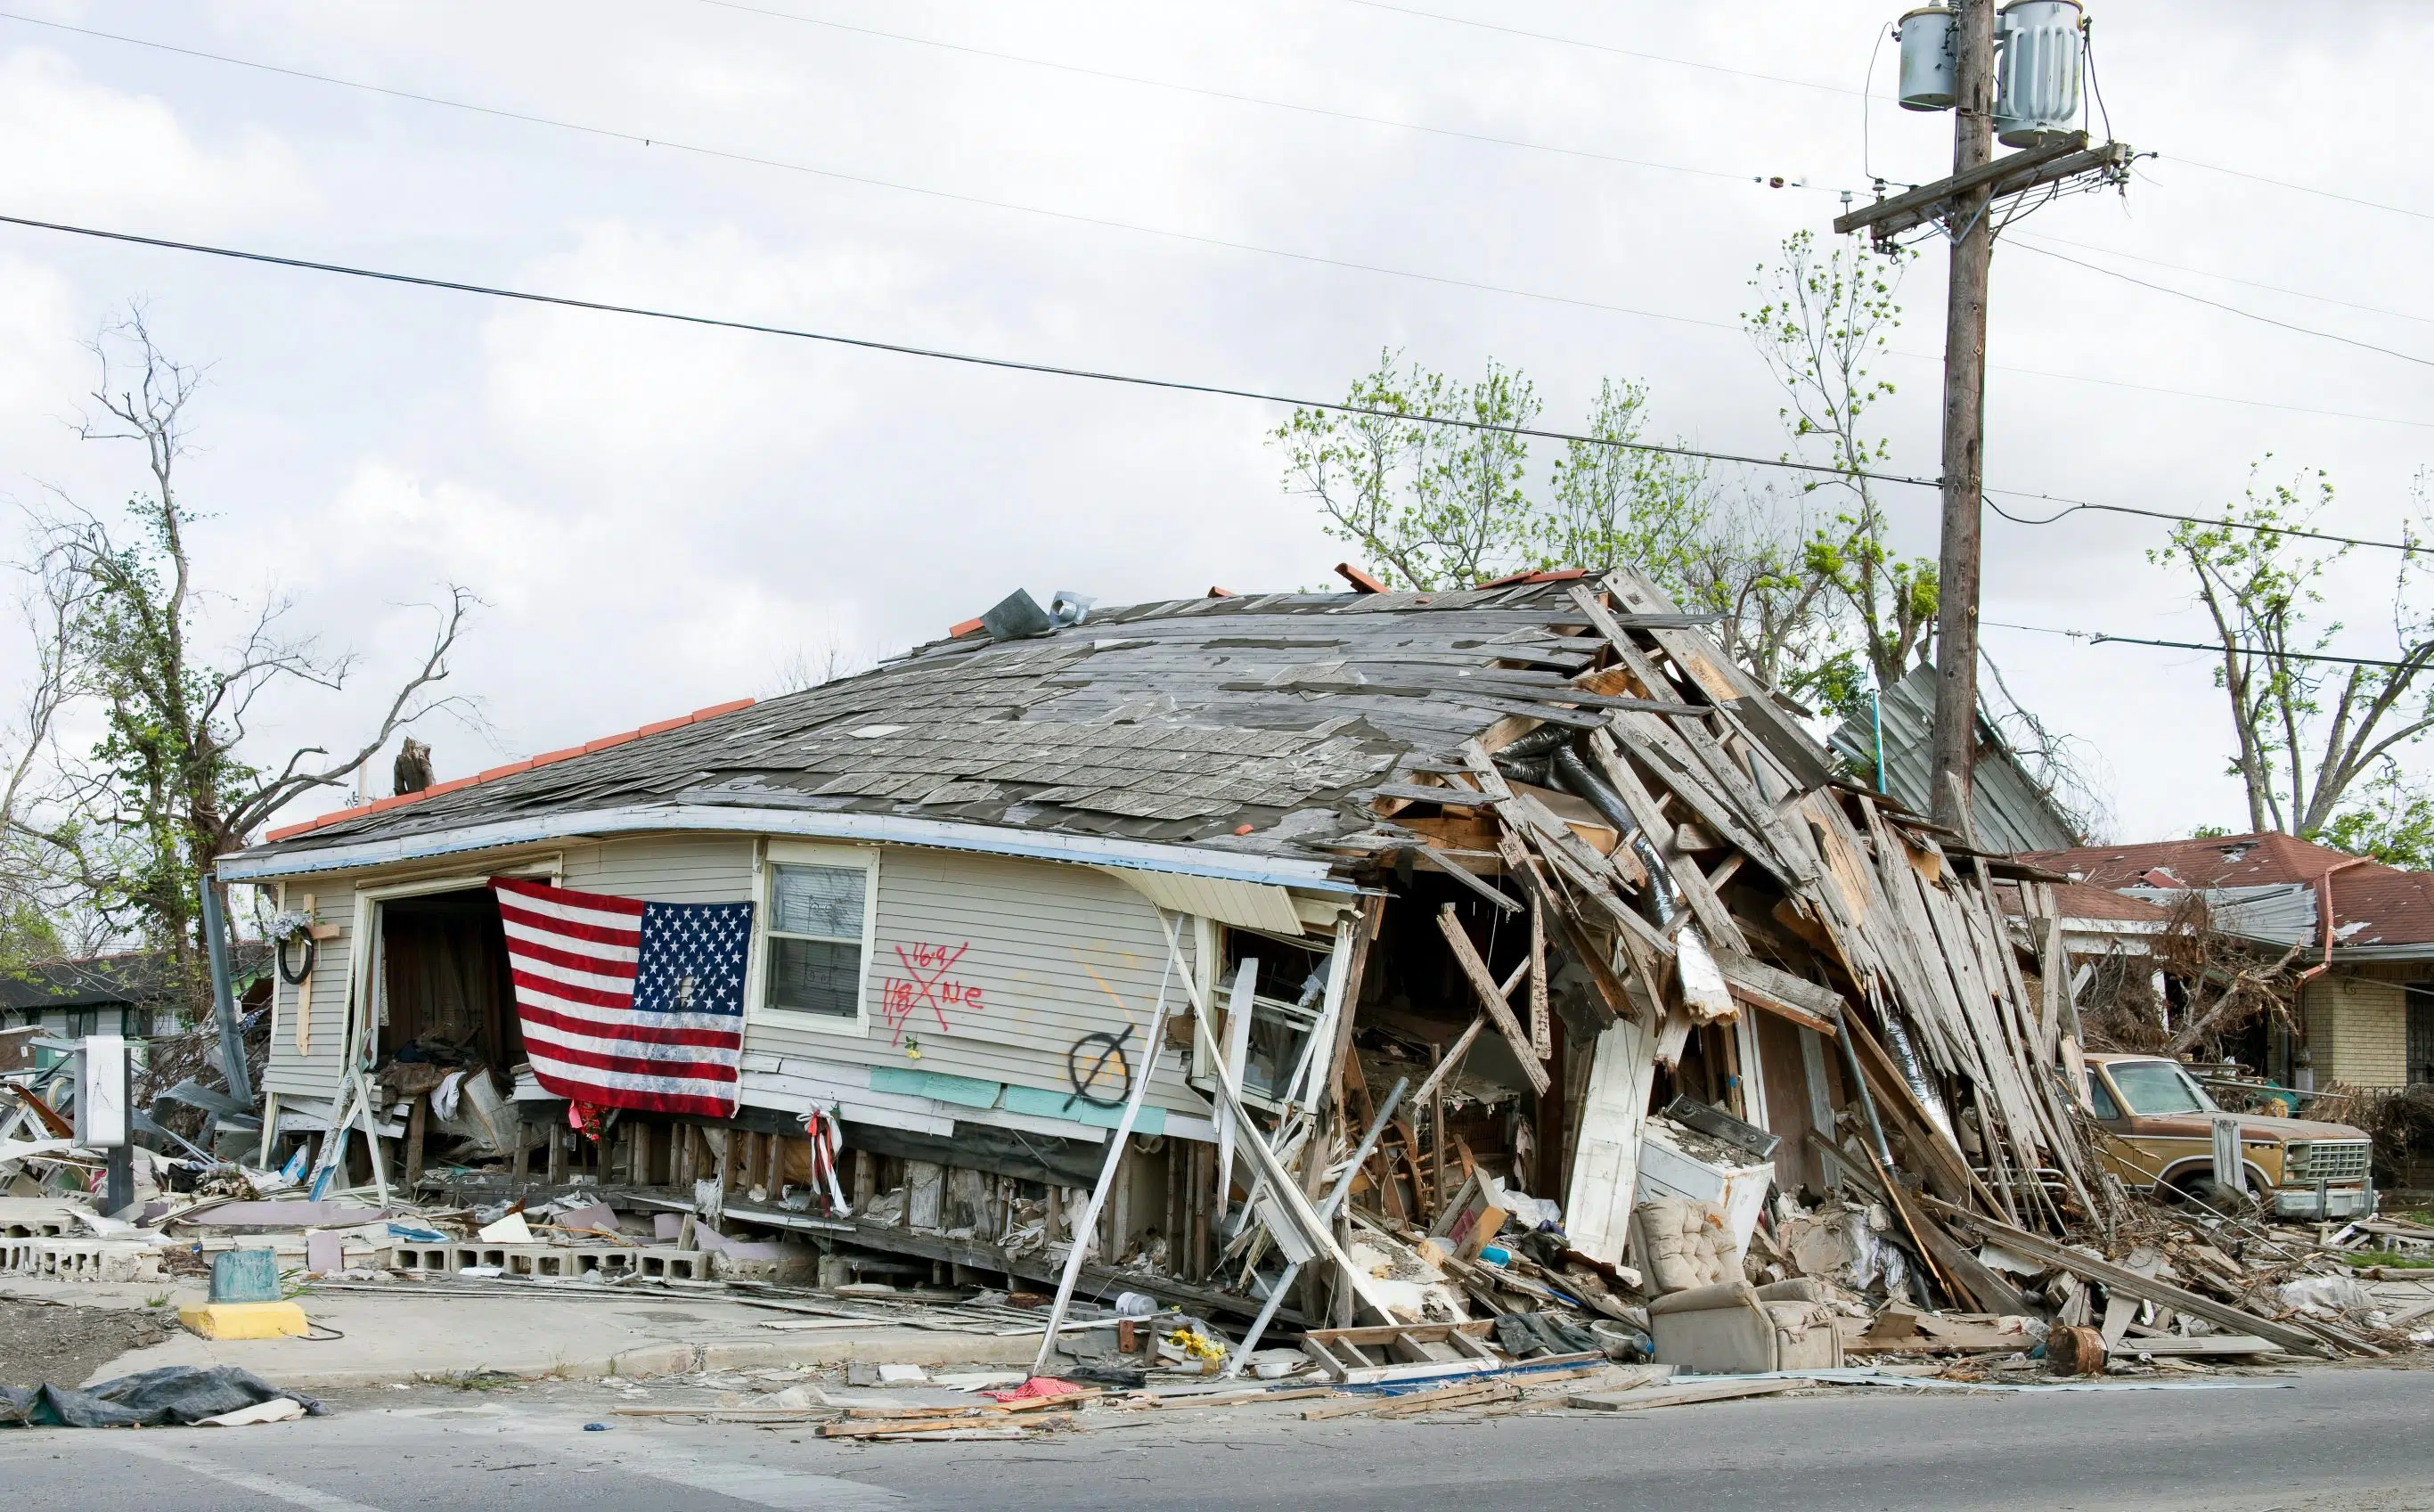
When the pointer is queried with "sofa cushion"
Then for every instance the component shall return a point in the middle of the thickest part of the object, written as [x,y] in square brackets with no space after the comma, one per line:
[1685,1245]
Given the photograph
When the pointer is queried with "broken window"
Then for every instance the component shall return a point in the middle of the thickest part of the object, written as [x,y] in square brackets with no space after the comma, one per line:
[816,938]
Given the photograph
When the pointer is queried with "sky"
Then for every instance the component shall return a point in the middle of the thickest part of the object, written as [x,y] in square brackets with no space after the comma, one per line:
[660,517]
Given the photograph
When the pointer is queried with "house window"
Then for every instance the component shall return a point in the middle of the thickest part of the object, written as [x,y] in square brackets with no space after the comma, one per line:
[2421,1034]
[818,932]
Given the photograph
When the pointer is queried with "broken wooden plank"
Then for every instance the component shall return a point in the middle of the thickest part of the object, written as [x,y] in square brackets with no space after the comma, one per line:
[2196,1346]
[1466,956]
[2037,1247]
[1640,1398]
[1465,875]
[1777,991]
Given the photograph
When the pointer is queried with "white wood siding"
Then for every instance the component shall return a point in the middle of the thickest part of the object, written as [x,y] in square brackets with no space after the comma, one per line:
[666,869]
[1053,952]
[1048,954]
[291,1073]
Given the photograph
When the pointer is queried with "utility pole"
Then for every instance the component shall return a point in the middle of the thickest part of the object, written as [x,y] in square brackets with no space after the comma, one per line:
[1965,419]
[1948,62]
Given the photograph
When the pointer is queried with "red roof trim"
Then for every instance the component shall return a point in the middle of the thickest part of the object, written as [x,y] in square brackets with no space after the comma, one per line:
[381,805]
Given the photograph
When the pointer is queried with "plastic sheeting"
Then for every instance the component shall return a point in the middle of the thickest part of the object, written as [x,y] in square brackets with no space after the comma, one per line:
[178,1395]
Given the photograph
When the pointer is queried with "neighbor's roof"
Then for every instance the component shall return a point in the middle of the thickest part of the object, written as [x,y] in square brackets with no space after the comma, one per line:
[127,979]
[2075,900]
[2374,906]
[2007,808]
[1182,721]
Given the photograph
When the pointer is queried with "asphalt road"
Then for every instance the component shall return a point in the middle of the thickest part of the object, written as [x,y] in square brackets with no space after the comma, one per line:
[2338,1439]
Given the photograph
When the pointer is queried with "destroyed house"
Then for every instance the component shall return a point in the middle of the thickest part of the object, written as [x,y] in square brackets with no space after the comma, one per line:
[1524,890]
[2362,932]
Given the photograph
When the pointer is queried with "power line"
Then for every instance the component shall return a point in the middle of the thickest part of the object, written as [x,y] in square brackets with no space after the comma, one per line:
[2099,638]
[1010,364]
[1600,46]
[1259,100]
[2298,188]
[2187,393]
[1132,380]
[2232,309]
[1838,89]
[615,134]
[1346,263]
[2022,239]
[2404,547]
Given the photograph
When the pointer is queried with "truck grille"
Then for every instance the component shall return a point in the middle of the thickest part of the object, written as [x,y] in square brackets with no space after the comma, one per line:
[2310,1161]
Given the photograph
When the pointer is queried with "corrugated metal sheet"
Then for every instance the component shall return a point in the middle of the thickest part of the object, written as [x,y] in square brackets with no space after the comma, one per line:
[2009,810]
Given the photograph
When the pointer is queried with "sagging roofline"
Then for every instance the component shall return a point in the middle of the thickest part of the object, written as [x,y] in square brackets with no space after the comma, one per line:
[259,864]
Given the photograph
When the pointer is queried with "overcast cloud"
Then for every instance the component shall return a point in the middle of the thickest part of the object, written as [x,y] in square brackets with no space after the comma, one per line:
[663,517]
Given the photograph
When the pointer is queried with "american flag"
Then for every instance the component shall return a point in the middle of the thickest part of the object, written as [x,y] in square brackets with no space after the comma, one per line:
[626,1003]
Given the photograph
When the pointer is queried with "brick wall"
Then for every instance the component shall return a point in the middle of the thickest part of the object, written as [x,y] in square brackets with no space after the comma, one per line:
[2357,1030]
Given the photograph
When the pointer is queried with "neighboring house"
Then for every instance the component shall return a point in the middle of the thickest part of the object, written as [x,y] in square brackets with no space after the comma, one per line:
[2364,931]
[2008,808]
[134,993]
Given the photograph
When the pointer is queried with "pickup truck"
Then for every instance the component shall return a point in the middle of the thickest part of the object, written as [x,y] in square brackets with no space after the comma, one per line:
[2158,1127]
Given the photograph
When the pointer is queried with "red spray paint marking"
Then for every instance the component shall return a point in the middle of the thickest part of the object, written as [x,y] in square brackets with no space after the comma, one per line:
[925,984]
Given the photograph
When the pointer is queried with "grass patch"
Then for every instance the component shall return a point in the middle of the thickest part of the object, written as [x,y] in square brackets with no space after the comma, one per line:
[2392,1257]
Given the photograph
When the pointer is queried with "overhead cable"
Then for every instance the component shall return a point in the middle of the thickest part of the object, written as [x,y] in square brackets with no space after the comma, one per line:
[723,154]
[1600,46]
[2406,547]
[1260,101]
[1348,265]
[2232,309]
[2023,238]
[1132,380]
[2297,188]
[974,359]
[2100,638]
[1838,89]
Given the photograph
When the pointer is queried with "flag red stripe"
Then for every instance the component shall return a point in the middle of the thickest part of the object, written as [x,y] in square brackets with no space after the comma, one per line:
[640,1066]
[524,950]
[571,929]
[552,987]
[716,1039]
[643,1102]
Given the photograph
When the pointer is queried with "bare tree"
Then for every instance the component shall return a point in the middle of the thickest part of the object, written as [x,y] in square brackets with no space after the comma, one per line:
[171,776]
[2305,733]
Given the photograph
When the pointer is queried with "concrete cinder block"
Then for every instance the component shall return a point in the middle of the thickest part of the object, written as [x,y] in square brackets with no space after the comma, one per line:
[81,1260]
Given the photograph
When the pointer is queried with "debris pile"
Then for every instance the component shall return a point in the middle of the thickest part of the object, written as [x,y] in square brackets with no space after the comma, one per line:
[1639,1041]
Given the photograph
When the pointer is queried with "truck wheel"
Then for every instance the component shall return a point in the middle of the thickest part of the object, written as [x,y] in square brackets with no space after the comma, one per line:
[2229,1201]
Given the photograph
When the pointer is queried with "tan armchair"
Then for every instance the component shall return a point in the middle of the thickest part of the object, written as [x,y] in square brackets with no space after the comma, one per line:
[1705,1319]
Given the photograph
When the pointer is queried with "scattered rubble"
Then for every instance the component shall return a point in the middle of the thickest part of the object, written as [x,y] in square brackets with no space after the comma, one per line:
[1652,1050]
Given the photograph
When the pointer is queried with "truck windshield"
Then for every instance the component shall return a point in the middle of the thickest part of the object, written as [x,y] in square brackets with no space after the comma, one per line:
[2158,1087]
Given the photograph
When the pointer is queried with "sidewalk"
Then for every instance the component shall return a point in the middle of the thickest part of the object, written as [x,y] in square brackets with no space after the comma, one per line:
[397,1335]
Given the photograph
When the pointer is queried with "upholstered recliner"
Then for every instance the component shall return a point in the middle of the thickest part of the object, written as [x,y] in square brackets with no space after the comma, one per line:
[1706,1321]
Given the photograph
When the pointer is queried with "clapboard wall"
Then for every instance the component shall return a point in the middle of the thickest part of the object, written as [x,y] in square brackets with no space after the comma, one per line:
[981,967]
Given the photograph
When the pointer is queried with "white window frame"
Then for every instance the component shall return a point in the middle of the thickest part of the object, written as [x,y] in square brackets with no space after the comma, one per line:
[776,853]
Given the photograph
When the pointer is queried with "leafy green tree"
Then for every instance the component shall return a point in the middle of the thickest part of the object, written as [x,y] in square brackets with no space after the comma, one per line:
[1433,506]
[2390,818]
[2305,733]
[1819,324]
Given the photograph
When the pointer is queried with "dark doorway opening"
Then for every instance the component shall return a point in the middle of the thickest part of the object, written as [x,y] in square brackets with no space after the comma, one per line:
[447,992]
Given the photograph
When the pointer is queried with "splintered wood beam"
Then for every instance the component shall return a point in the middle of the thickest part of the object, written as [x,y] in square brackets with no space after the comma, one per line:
[1542,1030]
[1493,1000]
[1462,874]
[1612,996]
